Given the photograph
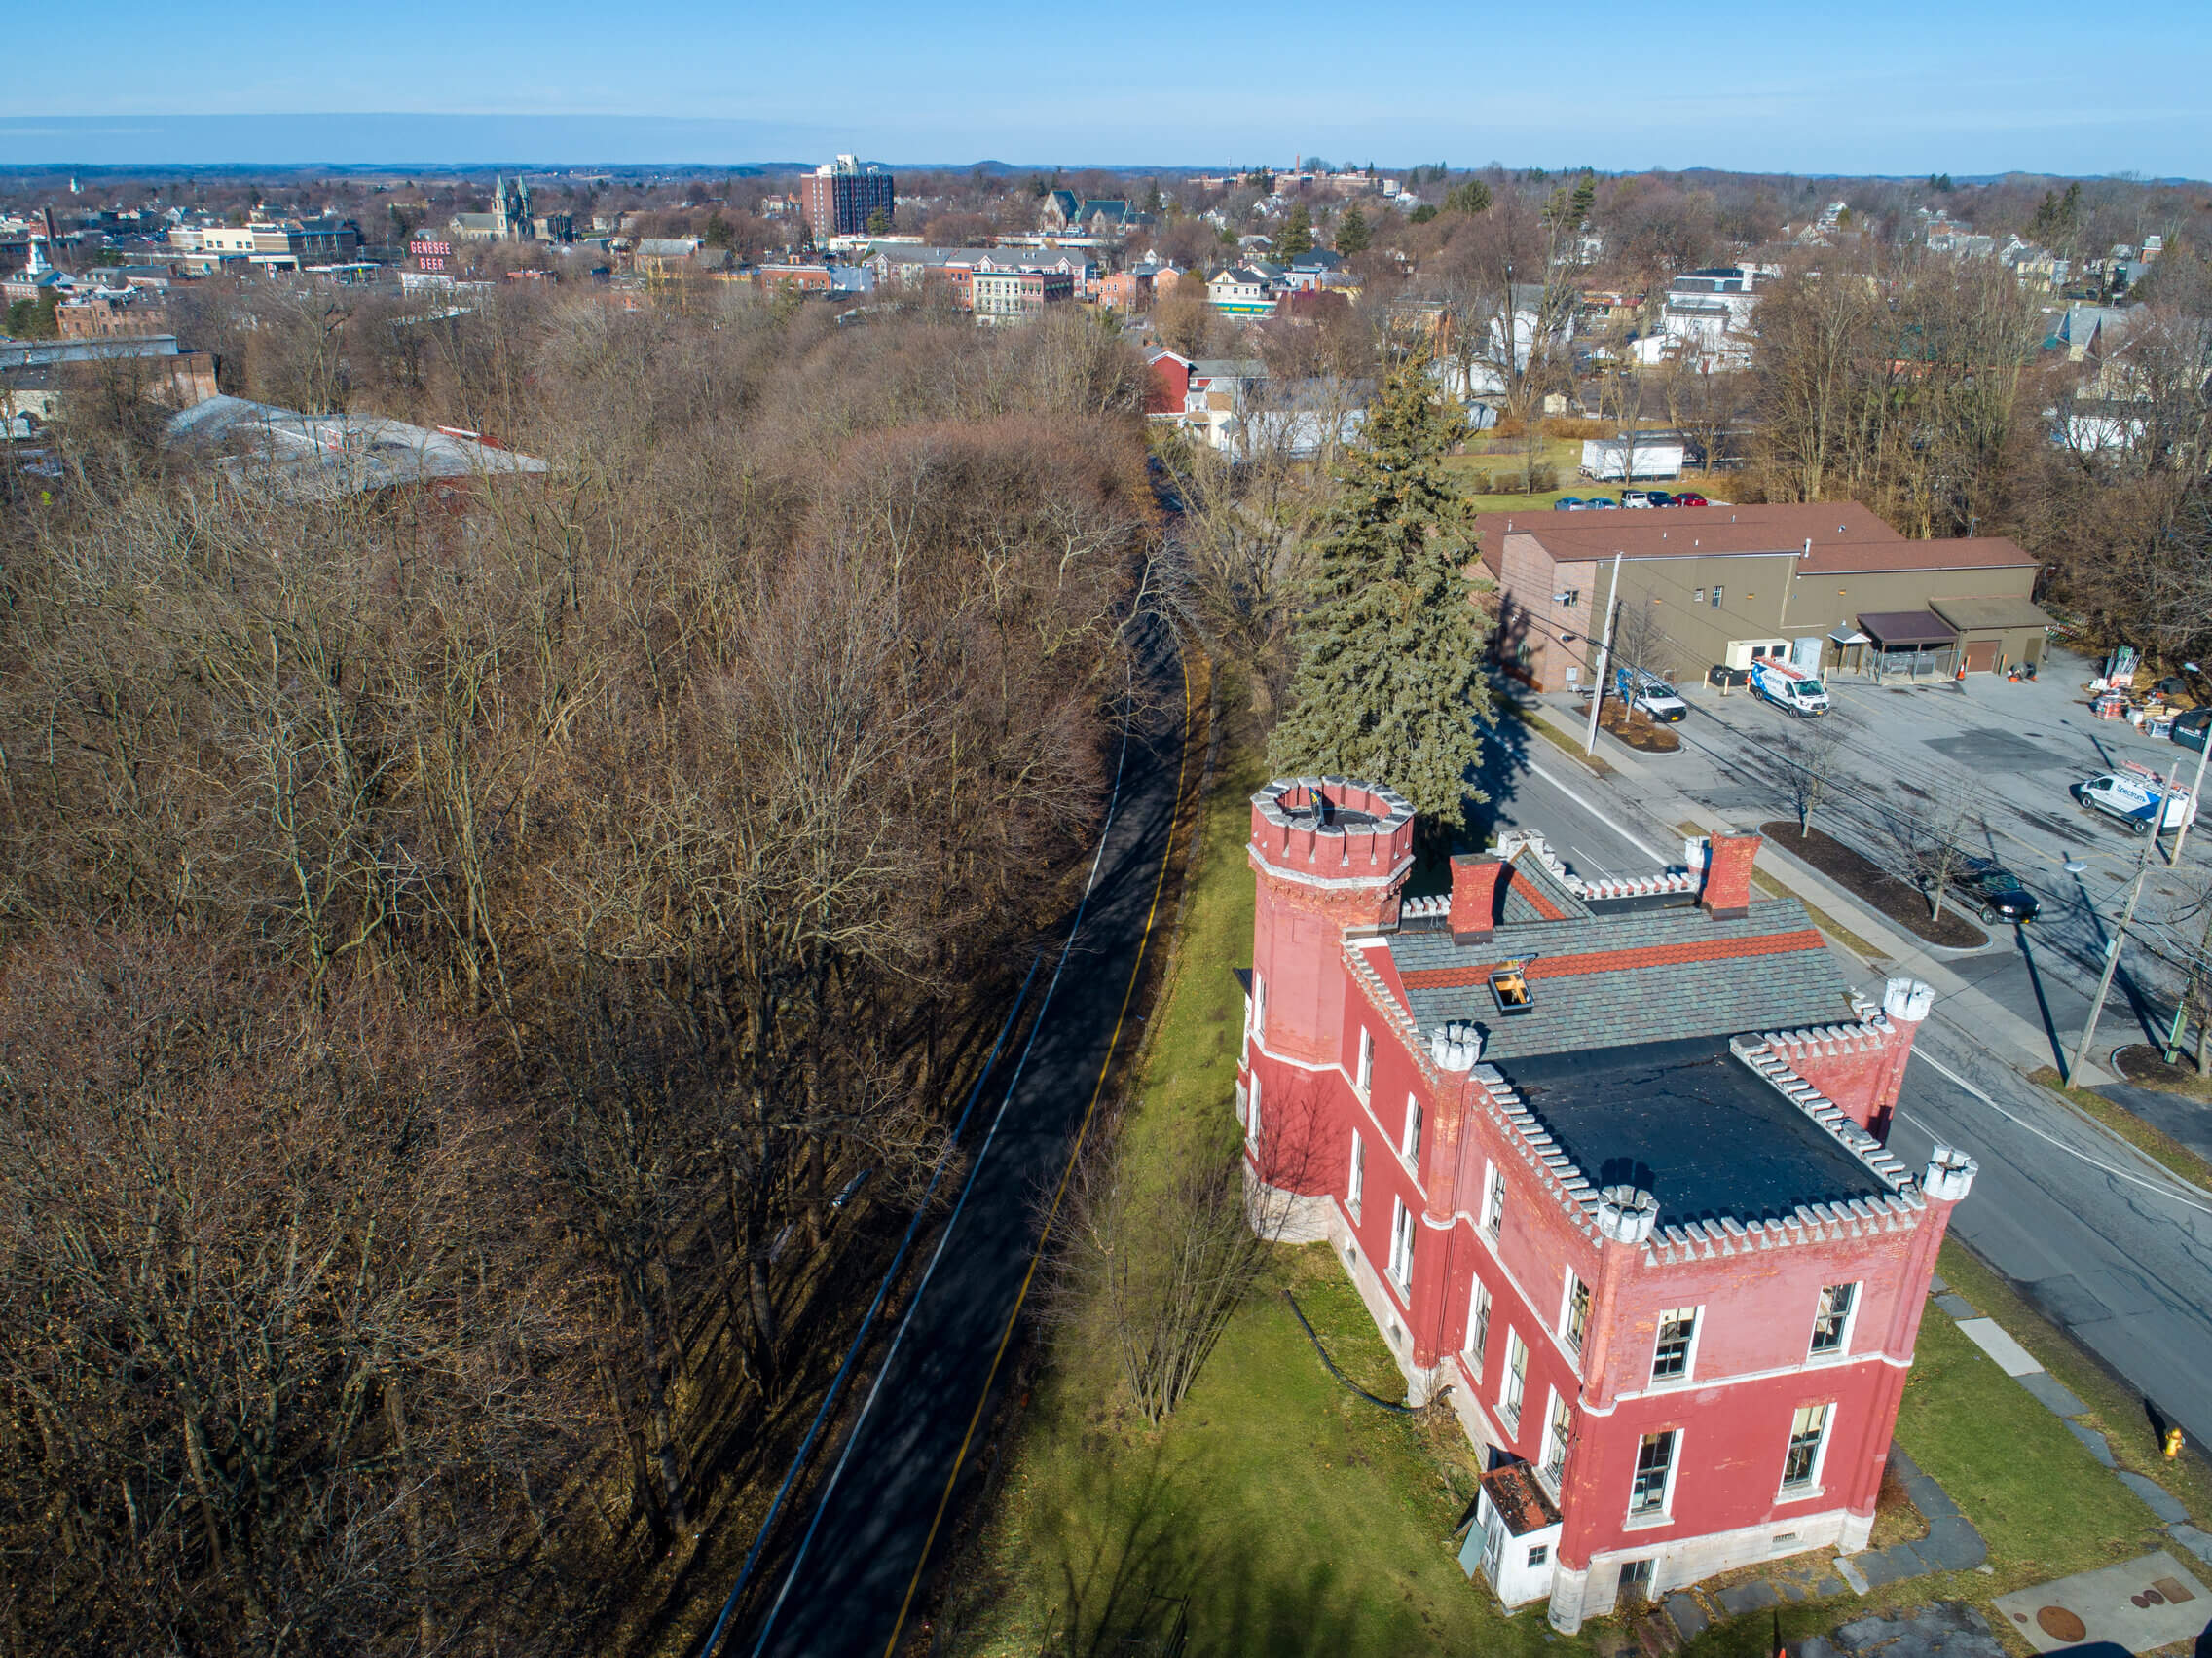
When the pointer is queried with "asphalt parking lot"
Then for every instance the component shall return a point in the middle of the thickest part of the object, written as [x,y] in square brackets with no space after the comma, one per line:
[2012,751]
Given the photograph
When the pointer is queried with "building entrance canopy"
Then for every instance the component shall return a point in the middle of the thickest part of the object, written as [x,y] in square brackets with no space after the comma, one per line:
[1895,629]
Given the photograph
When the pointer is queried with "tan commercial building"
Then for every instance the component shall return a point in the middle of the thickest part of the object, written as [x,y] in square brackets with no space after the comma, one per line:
[1699,587]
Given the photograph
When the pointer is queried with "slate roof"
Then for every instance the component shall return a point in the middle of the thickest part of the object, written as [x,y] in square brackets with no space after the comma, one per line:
[1625,977]
[1529,893]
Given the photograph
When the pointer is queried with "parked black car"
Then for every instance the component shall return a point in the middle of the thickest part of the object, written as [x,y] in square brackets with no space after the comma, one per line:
[1999,890]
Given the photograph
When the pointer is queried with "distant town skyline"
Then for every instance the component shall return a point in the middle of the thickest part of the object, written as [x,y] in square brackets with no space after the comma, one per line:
[1889,87]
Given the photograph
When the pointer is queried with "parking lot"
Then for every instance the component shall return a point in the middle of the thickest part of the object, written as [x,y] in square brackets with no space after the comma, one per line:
[2009,752]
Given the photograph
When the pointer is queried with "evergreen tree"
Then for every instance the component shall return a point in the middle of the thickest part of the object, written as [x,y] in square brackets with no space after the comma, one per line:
[1470,198]
[1389,681]
[1585,197]
[1297,232]
[1352,232]
[879,223]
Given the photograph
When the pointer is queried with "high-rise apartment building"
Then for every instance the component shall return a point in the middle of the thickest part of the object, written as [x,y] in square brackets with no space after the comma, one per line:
[838,198]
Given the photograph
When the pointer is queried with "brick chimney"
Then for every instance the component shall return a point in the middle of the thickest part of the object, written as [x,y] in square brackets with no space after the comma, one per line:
[1728,861]
[1475,878]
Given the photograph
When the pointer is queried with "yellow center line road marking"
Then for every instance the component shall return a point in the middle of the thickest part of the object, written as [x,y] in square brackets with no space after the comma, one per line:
[1067,1172]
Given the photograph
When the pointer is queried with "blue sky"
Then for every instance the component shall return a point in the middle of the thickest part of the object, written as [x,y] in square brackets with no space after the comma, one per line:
[1957,86]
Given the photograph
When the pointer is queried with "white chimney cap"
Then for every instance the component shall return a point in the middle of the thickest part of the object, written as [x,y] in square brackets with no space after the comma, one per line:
[1950,1174]
[1907,999]
[1627,1214]
[1456,1047]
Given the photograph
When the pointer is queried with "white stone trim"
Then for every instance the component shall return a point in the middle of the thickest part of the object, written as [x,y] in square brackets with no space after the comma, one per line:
[1334,883]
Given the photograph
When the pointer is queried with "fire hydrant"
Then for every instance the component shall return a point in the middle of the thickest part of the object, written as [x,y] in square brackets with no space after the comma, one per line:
[2173,1442]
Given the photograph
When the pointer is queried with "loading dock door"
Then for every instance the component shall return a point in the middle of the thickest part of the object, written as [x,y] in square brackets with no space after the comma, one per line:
[1982,655]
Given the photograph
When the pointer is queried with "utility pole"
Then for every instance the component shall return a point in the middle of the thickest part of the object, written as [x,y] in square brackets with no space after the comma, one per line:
[2196,792]
[2111,960]
[1604,655]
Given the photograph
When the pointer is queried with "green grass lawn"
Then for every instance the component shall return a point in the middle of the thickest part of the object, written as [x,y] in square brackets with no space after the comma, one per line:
[2043,1503]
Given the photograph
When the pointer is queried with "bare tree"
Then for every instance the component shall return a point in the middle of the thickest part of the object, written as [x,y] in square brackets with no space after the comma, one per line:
[1809,766]
[1936,839]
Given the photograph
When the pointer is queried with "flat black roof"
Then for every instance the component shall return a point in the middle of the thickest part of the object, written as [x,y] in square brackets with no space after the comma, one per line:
[1690,1124]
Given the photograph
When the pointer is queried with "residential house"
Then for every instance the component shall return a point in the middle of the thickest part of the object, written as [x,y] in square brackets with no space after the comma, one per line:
[1130,290]
[1705,317]
[664,255]
[1098,216]
[1243,291]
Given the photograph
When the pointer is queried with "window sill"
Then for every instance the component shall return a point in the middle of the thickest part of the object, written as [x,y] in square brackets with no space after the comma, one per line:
[1799,1493]
[1647,1522]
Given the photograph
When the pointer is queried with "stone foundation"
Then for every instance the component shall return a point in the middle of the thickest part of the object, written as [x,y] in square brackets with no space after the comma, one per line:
[1596,1591]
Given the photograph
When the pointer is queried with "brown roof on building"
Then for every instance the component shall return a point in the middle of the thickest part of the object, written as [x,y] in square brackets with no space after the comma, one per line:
[1973,616]
[1521,1502]
[1980,552]
[1906,627]
[1846,539]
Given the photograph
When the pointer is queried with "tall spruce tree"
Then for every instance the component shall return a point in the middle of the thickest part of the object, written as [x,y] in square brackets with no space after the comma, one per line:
[1390,649]
[1296,234]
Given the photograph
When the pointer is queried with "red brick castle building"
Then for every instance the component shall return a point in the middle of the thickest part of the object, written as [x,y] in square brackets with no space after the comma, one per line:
[1606,1161]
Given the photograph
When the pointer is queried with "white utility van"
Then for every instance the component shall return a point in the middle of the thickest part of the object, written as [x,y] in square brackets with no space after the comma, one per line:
[2135,800]
[1792,688]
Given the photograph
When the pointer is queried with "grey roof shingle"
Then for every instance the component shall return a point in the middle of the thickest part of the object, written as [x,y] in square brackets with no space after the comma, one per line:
[1626,1005]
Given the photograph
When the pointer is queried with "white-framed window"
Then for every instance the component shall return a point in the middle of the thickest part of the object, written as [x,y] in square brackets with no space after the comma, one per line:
[1408,1146]
[1357,1183]
[1260,1006]
[1365,1071]
[1477,1328]
[1832,1319]
[1674,1354]
[1574,1312]
[1808,1443]
[1493,1203]
[1559,1424]
[1252,1112]
[1401,1245]
[1653,1486]
[1515,1383]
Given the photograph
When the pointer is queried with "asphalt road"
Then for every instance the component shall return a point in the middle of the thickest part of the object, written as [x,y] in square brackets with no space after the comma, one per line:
[848,1593]
[2101,1242]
